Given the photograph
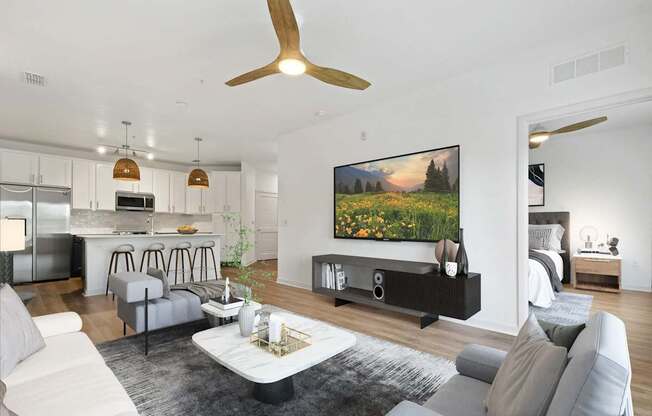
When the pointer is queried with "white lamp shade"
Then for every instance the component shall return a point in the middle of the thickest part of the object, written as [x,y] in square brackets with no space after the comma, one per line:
[12,234]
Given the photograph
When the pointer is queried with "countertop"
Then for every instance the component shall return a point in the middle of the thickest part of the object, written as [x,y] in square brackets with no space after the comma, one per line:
[157,235]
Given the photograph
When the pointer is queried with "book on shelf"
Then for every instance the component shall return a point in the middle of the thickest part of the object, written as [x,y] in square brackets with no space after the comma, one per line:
[225,304]
[333,276]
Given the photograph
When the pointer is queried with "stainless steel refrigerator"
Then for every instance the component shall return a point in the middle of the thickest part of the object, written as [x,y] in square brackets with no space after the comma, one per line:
[48,243]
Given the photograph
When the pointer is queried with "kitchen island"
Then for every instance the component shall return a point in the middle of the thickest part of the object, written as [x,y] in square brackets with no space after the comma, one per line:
[98,249]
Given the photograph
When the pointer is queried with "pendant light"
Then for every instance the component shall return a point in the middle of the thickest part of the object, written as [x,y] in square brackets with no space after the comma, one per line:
[198,178]
[126,169]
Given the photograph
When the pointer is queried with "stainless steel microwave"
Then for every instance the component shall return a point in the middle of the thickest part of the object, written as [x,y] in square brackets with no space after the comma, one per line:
[132,201]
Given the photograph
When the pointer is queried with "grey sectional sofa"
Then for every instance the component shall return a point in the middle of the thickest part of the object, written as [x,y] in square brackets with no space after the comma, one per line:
[596,381]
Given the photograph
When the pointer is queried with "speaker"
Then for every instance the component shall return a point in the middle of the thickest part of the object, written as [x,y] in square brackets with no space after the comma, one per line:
[379,285]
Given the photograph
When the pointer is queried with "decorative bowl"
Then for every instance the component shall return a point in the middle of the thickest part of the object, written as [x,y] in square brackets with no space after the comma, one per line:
[187,230]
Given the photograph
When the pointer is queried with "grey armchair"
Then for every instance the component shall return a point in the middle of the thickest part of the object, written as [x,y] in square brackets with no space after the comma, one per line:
[596,381]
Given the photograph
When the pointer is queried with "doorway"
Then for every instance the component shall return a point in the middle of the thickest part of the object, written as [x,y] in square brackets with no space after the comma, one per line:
[266,226]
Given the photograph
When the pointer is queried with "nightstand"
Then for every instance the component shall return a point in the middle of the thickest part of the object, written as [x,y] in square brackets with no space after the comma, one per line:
[596,272]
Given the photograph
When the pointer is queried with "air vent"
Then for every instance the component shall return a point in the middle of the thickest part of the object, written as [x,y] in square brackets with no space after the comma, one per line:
[32,78]
[589,64]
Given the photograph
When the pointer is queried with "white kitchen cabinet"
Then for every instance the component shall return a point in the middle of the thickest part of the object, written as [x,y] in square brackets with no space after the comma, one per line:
[18,167]
[146,183]
[162,190]
[105,187]
[83,184]
[178,192]
[54,171]
[225,191]
[194,203]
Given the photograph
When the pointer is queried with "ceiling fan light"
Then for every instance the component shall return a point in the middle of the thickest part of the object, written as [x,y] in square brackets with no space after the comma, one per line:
[198,179]
[291,66]
[539,137]
[126,170]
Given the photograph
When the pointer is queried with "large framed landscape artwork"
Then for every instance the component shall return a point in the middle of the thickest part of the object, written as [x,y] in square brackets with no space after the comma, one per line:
[412,197]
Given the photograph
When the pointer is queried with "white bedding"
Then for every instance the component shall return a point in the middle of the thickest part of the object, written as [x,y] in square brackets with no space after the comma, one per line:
[541,292]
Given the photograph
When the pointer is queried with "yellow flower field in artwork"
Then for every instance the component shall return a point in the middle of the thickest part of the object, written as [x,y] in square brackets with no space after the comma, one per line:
[397,215]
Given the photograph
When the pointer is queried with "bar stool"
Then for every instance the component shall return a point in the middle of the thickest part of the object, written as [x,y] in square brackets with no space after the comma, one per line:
[180,249]
[156,249]
[125,249]
[204,248]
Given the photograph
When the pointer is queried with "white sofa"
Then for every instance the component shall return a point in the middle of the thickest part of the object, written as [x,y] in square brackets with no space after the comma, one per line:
[68,377]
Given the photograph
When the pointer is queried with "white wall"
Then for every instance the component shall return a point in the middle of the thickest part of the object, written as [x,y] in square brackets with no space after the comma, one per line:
[604,179]
[477,110]
[248,207]
[266,181]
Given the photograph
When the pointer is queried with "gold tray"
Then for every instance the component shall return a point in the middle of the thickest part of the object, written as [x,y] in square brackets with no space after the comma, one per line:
[291,341]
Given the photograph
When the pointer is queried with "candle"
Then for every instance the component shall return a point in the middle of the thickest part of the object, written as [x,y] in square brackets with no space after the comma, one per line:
[275,326]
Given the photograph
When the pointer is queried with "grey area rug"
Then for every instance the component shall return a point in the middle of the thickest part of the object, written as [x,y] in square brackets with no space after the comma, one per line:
[566,309]
[178,379]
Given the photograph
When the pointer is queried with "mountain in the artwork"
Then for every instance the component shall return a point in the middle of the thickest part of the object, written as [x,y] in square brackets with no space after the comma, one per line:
[347,176]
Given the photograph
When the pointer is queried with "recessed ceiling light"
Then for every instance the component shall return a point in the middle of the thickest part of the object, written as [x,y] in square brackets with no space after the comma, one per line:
[101,131]
[101,150]
[182,104]
[320,113]
[150,156]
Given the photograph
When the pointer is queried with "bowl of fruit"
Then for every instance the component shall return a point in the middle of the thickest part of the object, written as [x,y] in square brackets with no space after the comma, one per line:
[186,229]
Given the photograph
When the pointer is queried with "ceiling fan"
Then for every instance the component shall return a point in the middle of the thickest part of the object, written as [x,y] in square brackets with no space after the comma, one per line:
[291,60]
[537,137]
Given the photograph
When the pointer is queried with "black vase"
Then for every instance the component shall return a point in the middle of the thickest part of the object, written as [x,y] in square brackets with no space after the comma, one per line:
[461,259]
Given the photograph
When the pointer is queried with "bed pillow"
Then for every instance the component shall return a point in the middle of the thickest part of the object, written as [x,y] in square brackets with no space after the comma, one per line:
[160,274]
[19,336]
[562,335]
[527,380]
[547,236]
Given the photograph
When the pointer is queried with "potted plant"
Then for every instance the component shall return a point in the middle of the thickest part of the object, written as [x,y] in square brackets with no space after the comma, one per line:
[245,275]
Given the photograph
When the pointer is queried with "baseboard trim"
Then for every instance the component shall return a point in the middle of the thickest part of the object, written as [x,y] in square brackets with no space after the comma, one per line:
[638,288]
[294,283]
[486,325]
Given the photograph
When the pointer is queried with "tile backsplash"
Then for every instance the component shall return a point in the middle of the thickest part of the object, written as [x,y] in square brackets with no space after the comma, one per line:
[99,222]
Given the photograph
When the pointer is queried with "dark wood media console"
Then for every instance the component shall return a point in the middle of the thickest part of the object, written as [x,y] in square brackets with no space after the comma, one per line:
[412,288]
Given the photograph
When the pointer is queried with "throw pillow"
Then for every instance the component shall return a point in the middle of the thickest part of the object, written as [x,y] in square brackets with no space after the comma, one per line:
[160,274]
[3,409]
[527,379]
[562,335]
[19,336]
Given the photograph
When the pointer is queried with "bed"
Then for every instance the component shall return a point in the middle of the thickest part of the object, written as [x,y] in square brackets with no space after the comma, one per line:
[542,285]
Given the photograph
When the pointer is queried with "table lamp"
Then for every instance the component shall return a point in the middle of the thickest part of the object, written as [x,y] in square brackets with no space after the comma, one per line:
[12,238]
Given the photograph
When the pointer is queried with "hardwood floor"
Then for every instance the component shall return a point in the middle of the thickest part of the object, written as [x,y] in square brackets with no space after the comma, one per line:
[442,338]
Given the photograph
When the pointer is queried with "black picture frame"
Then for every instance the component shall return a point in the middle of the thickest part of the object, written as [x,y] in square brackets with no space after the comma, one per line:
[459,187]
[536,175]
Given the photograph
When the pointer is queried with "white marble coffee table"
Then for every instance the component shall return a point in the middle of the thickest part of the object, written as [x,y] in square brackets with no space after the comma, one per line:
[272,376]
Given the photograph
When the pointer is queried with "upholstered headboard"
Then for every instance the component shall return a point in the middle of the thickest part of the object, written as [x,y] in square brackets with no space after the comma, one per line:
[562,218]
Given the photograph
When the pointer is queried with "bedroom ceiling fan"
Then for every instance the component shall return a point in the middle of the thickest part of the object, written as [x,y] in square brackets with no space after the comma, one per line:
[291,60]
[537,137]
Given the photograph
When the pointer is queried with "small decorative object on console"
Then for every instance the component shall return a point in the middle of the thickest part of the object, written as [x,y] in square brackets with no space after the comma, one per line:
[187,229]
[451,268]
[451,252]
[289,341]
[612,243]
[461,259]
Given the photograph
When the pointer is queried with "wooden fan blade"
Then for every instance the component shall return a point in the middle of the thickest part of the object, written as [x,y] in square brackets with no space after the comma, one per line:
[270,69]
[285,25]
[579,126]
[336,77]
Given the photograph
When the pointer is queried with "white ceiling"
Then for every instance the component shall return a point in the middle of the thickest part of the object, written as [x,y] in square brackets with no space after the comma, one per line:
[628,116]
[107,61]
